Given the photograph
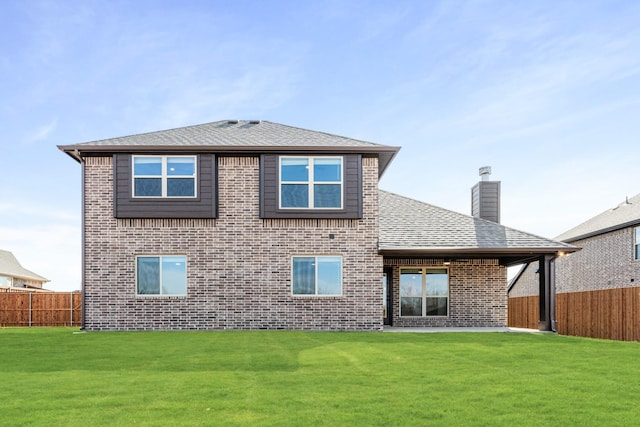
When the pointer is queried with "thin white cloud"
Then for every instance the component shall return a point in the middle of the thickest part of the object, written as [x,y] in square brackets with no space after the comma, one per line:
[42,132]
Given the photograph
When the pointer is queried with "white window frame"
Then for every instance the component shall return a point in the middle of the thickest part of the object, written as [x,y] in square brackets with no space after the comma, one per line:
[424,296]
[316,294]
[160,294]
[164,177]
[636,243]
[311,182]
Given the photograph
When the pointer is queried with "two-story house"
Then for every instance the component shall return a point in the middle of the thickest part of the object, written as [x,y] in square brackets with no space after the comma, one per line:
[257,225]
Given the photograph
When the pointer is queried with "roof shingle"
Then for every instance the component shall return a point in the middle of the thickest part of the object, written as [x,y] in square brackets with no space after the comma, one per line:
[407,224]
[234,133]
[625,214]
[235,136]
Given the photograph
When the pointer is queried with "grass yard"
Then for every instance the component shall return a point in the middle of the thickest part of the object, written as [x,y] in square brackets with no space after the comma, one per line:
[58,376]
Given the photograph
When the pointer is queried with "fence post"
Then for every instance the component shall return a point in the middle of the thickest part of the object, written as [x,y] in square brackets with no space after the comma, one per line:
[30,307]
[71,308]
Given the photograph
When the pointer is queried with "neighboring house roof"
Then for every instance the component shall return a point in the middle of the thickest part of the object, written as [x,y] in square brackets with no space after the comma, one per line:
[409,226]
[9,266]
[235,136]
[626,214]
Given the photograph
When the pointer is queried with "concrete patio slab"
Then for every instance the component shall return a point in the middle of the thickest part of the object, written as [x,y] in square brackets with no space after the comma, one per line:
[480,329]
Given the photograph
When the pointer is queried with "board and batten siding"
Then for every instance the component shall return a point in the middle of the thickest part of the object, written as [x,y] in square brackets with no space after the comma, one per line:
[485,200]
[203,206]
[352,192]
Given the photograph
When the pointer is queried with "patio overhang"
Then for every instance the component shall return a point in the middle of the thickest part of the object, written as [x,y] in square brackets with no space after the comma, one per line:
[507,257]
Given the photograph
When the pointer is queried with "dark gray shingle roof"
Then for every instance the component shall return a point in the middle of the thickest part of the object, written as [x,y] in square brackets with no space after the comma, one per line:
[9,266]
[235,136]
[625,214]
[407,224]
[232,133]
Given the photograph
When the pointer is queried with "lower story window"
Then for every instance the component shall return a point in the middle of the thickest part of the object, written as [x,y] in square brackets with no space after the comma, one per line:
[161,275]
[637,243]
[424,292]
[317,275]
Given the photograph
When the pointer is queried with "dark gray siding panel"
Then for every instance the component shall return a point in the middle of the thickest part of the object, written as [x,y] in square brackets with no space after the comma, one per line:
[352,192]
[485,200]
[204,206]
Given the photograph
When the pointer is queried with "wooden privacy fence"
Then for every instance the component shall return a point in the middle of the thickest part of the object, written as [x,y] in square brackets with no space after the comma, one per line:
[612,314]
[523,312]
[40,309]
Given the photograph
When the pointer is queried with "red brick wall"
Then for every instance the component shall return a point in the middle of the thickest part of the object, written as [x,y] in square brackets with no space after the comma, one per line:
[238,266]
[477,294]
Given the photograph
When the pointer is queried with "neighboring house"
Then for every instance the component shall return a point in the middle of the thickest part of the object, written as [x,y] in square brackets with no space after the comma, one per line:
[257,225]
[609,259]
[15,277]
[610,255]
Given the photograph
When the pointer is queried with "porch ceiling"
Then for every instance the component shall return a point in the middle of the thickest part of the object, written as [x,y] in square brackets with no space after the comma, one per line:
[506,258]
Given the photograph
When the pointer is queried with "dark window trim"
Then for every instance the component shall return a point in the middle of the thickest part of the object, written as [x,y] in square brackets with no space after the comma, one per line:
[204,205]
[270,190]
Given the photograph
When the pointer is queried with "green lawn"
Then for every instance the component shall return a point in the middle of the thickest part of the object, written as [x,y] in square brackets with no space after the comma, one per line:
[58,376]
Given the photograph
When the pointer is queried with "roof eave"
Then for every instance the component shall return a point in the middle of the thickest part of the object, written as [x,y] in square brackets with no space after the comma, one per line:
[458,251]
[506,257]
[602,231]
[385,153]
[26,277]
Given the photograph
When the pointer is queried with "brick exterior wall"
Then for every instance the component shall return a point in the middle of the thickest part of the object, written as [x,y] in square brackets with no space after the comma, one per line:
[528,283]
[605,262]
[477,294]
[238,266]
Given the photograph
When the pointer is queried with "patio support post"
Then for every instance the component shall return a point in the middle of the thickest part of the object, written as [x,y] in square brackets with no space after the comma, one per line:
[547,291]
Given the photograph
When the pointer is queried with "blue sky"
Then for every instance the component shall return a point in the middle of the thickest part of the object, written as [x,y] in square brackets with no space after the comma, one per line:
[545,92]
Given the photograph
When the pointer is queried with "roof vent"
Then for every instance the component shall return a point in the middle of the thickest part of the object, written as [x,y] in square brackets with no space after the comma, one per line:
[232,122]
[255,122]
[485,173]
[623,204]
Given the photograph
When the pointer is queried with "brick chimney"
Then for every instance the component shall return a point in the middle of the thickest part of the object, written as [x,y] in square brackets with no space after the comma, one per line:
[485,197]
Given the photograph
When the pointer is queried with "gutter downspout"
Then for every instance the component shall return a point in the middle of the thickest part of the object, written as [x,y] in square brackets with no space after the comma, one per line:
[82,234]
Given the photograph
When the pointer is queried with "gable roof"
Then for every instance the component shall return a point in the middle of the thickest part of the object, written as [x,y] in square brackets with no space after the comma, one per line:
[9,266]
[232,136]
[411,227]
[626,214]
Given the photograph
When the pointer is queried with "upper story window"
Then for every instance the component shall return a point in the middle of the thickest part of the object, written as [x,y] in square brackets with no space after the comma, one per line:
[637,243]
[311,182]
[164,176]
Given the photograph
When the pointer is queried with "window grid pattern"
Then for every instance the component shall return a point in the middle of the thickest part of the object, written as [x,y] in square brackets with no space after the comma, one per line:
[164,177]
[311,182]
